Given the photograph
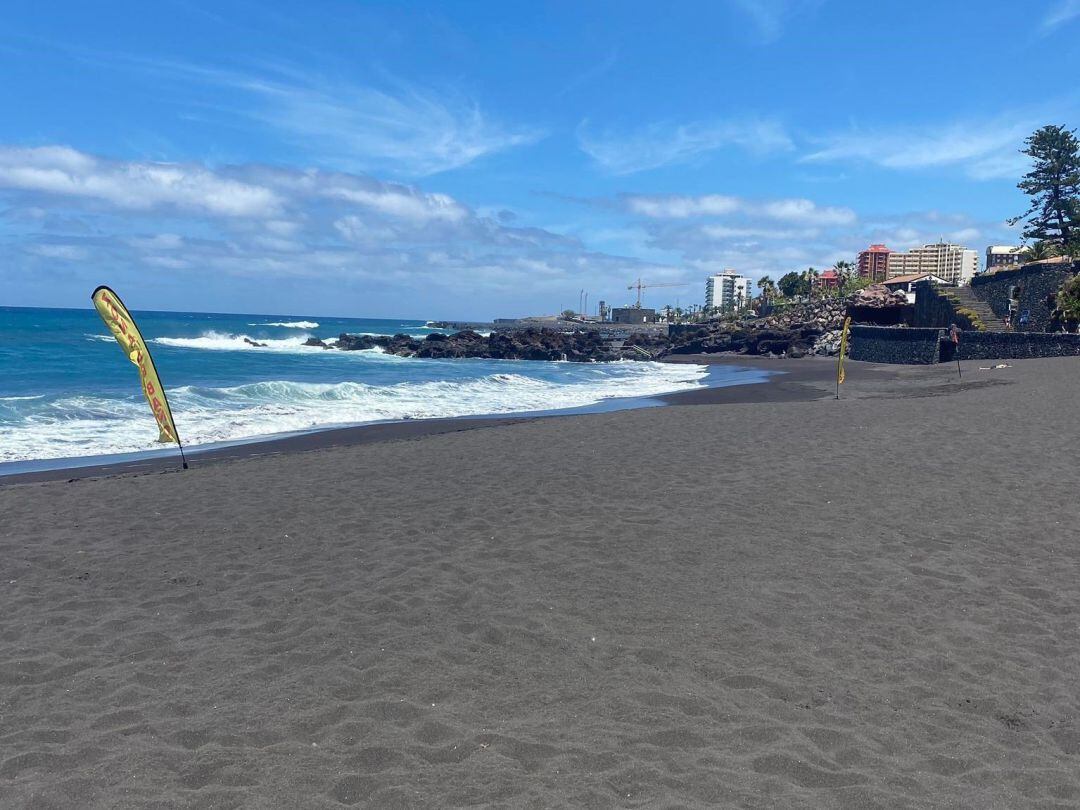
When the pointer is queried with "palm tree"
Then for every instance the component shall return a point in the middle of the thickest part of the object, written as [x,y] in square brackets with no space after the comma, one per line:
[846,271]
[767,287]
[1040,251]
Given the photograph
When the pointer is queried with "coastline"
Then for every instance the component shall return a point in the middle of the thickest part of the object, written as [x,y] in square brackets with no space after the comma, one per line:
[321,438]
[791,380]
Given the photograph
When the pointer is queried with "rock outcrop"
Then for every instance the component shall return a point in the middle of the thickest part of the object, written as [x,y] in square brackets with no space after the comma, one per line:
[877,296]
[795,331]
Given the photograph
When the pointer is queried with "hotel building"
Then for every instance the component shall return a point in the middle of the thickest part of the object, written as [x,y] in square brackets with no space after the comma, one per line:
[953,263]
[873,263]
[727,291]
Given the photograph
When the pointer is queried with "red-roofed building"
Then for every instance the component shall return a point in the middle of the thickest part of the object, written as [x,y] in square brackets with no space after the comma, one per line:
[827,280]
[874,263]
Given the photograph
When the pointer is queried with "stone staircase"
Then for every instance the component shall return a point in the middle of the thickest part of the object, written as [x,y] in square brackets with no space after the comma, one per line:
[963,298]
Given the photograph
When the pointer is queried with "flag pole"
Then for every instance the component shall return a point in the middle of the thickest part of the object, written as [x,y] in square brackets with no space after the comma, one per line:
[840,355]
[954,333]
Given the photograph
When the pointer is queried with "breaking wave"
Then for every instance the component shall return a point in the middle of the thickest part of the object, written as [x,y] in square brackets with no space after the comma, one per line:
[289,324]
[221,341]
[65,426]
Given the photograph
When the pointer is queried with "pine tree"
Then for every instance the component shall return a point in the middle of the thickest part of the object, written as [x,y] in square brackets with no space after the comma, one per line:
[1053,184]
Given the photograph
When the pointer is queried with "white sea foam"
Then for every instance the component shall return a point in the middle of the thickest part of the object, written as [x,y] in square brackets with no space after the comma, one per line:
[85,425]
[222,341]
[289,324]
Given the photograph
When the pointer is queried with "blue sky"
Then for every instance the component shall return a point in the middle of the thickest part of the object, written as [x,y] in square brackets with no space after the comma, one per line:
[475,159]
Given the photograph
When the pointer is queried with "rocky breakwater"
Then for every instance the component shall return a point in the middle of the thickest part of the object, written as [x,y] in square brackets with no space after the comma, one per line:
[518,344]
[791,331]
[794,331]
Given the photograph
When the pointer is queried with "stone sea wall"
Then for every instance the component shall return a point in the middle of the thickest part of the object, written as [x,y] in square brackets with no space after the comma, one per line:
[1036,286]
[883,344]
[1012,345]
[880,344]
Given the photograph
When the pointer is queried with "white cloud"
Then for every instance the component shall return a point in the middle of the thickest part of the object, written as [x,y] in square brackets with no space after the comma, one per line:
[1060,14]
[403,203]
[805,211]
[663,144]
[161,241]
[728,232]
[792,210]
[983,150]
[674,206]
[59,170]
[71,253]
[330,228]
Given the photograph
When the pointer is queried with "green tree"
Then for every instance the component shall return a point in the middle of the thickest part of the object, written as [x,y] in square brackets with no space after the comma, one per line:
[1068,302]
[1038,251]
[791,284]
[767,287]
[1053,184]
[846,271]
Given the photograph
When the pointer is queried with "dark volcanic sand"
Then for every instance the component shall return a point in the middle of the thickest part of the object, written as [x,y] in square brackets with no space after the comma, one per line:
[866,603]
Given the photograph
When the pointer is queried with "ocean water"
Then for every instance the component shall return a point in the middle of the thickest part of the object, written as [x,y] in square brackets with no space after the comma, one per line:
[66,389]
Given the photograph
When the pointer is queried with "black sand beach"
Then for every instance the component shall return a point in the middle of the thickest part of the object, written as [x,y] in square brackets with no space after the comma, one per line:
[756,597]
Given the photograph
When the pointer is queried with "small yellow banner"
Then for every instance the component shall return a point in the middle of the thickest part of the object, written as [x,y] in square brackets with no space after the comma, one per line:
[123,328]
[840,376]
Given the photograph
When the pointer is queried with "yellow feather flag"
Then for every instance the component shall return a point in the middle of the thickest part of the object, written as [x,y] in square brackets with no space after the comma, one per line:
[840,376]
[122,325]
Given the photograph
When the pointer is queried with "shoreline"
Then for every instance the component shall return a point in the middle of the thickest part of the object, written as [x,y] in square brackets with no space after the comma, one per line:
[789,381]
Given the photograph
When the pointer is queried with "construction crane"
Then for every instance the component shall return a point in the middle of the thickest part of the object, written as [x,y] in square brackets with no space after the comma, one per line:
[640,285]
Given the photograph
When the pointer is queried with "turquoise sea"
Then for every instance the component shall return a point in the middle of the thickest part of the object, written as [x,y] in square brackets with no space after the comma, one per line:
[66,389]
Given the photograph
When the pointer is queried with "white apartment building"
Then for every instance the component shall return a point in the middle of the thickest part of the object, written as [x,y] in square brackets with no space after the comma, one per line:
[955,264]
[727,291]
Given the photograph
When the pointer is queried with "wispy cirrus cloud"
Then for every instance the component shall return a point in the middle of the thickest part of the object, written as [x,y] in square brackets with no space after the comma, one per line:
[983,150]
[407,128]
[769,17]
[662,144]
[1060,14]
[385,124]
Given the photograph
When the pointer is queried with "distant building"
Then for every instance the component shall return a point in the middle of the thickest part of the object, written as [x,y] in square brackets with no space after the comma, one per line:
[728,291]
[633,315]
[955,264]
[906,284]
[1003,256]
[873,263]
[828,280]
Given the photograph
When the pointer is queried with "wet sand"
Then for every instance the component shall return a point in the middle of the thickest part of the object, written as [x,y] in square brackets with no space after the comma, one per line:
[787,602]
